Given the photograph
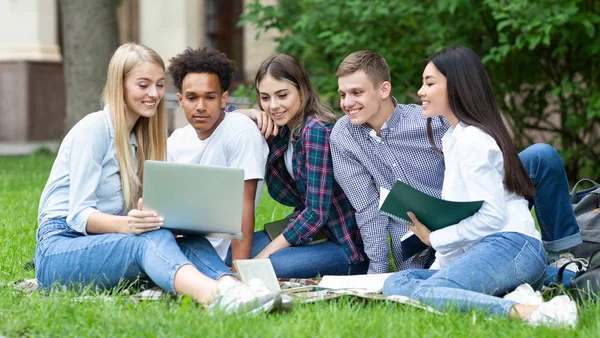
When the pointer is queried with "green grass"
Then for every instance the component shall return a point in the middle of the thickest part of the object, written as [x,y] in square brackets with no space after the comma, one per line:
[61,314]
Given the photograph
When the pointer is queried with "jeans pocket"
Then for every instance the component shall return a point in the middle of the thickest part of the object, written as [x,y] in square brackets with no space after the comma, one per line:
[529,266]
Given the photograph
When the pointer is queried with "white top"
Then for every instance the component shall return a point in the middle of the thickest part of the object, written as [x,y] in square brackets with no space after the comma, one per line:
[475,171]
[287,158]
[236,143]
[85,176]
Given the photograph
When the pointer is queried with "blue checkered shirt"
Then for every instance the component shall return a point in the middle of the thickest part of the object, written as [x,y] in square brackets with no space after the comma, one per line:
[364,162]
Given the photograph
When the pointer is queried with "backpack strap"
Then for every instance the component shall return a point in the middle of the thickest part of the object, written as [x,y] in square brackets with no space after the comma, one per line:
[561,270]
[574,191]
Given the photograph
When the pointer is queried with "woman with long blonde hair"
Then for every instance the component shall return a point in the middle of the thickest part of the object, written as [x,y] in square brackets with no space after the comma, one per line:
[92,228]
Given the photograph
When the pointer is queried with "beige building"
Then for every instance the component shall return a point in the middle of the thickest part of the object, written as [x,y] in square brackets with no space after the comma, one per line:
[31,84]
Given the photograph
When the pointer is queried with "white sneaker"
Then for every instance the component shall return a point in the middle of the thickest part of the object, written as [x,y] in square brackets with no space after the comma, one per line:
[524,294]
[559,311]
[236,297]
[567,257]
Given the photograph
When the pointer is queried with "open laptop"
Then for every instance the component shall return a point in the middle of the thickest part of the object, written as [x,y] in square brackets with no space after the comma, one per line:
[195,199]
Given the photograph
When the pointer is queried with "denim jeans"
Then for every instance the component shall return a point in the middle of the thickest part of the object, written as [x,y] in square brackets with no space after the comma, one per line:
[553,208]
[306,261]
[478,278]
[69,258]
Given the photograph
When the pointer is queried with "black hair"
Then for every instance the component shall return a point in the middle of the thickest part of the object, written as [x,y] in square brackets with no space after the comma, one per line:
[202,60]
[472,101]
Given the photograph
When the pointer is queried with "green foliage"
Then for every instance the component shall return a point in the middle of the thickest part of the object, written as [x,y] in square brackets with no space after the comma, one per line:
[542,56]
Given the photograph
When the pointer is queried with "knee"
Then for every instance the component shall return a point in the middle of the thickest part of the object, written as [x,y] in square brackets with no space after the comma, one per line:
[397,284]
[542,155]
[156,237]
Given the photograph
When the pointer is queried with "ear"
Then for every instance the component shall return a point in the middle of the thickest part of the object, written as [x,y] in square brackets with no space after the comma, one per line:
[180,99]
[385,90]
[224,98]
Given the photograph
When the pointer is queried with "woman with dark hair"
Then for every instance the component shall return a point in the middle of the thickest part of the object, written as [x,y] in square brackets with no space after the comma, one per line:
[484,256]
[300,174]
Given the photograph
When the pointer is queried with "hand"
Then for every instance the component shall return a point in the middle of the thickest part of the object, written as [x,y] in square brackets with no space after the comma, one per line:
[277,244]
[263,254]
[263,121]
[266,124]
[419,229]
[140,221]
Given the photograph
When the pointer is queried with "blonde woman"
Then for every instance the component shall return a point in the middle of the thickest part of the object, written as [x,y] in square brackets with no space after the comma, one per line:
[92,229]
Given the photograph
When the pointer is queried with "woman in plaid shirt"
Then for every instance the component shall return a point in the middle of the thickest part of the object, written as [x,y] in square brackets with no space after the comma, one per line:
[300,174]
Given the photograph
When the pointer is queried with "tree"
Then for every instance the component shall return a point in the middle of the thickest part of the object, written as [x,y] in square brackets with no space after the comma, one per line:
[542,56]
[90,36]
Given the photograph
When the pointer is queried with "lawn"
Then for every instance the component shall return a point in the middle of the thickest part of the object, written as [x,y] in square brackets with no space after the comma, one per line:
[63,314]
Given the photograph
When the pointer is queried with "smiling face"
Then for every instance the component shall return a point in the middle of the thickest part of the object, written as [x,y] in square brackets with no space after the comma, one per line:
[279,99]
[362,100]
[203,102]
[144,88]
[434,93]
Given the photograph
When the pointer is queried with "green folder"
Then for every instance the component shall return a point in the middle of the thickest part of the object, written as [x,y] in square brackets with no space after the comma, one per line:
[435,213]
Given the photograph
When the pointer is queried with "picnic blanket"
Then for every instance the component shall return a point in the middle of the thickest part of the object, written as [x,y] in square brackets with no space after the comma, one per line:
[301,289]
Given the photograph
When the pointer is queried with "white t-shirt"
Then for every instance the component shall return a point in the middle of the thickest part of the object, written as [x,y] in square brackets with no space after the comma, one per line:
[236,143]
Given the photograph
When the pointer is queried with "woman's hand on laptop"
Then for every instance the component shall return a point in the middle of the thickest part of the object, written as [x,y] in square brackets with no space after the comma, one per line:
[140,221]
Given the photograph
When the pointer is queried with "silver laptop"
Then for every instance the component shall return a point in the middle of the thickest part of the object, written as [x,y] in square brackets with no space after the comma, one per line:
[195,199]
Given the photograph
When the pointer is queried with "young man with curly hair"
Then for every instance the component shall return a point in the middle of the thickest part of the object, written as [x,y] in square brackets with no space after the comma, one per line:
[213,137]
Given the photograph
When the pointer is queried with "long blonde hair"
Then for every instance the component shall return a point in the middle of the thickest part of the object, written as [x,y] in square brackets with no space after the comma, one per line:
[151,133]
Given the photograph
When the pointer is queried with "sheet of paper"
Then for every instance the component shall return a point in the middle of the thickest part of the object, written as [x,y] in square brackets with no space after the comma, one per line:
[360,283]
[383,193]
[257,268]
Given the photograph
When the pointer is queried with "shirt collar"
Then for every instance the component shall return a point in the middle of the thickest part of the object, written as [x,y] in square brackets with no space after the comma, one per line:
[452,134]
[394,119]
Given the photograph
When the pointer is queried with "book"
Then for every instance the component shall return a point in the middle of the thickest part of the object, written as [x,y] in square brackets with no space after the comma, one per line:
[257,268]
[276,228]
[434,212]
[371,283]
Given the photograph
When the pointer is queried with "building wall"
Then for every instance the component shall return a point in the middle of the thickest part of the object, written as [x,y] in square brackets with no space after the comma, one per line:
[32,99]
[256,50]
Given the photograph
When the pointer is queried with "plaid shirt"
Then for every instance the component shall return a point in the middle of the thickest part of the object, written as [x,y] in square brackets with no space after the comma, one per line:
[318,200]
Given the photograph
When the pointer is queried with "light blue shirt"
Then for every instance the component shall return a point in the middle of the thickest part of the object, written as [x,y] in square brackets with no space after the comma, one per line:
[85,176]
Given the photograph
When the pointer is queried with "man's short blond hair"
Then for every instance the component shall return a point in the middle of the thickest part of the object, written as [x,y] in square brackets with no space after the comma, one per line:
[373,64]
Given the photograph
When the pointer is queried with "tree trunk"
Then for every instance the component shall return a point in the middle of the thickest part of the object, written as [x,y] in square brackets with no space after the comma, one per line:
[90,37]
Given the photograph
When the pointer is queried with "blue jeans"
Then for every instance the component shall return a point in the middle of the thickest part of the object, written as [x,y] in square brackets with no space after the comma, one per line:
[478,278]
[553,208]
[67,257]
[306,261]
